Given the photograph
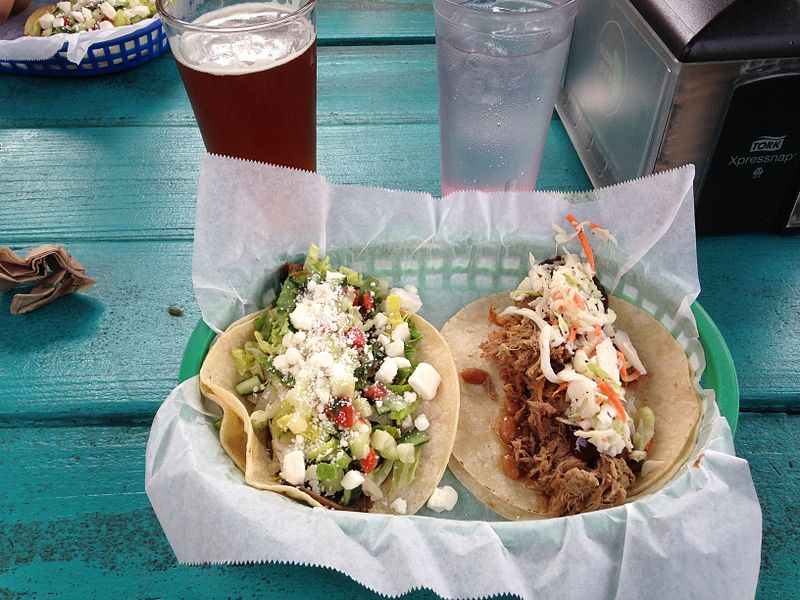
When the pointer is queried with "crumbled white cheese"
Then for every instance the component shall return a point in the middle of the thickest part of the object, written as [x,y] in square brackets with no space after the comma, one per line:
[59,22]
[320,360]
[402,362]
[280,363]
[387,371]
[409,298]
[65,7]
[422,422]
[401,332]
[394,348]
[302,317]
[352,479]
[46,21]
[105,25]
[107,10]
[78,16]
[293,469]
[425,381]
[442,499]
[293,356]
[381,321]
[399,505]
[409,397]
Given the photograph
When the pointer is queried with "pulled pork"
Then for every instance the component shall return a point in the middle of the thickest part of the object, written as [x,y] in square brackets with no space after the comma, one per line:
[570,477]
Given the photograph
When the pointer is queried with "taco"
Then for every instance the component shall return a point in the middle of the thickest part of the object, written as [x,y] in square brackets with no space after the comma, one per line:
[75,16]
[572,401]
[338,395]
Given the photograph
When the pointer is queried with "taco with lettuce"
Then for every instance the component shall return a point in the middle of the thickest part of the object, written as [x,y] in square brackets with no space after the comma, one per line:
[338,395]
[571,400]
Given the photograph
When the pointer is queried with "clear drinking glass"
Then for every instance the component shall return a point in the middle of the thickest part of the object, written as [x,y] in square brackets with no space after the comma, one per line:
[250,71]
[500,64]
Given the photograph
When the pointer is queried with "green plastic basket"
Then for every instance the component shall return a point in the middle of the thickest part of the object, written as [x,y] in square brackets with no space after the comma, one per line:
[719,375]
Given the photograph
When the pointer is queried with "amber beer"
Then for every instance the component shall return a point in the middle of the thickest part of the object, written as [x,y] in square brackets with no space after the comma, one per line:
[254,93]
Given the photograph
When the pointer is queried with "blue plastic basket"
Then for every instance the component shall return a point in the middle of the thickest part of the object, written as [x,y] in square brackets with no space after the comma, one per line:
[116,54]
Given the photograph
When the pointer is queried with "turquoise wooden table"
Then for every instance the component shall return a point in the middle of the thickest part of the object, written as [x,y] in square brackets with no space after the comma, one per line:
[108,167]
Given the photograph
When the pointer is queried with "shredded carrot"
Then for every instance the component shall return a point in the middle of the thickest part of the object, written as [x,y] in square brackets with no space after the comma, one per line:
[559,389]
[587,249]
[613,398]
[573,330]
[623,370]
[632,376]
[598,330]
[594,346]
[576,298]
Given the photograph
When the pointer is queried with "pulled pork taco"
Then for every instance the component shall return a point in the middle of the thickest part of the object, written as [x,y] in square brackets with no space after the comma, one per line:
[338,395]
[571,401]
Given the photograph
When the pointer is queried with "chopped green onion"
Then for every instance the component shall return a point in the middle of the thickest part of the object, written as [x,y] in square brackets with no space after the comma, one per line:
[248,386]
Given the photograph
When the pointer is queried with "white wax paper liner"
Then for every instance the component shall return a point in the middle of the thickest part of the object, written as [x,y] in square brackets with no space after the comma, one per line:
[699,537]
[252,217]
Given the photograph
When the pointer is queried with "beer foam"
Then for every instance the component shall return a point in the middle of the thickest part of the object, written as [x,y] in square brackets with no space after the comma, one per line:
[239,53]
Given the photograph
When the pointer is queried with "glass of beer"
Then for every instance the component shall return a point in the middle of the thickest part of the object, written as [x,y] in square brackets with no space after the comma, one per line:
[250,71]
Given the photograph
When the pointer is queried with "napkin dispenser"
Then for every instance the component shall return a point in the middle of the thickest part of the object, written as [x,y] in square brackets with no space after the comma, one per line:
[654,84]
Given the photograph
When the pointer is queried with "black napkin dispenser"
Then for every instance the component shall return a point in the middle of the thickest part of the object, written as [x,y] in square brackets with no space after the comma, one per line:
[655,84]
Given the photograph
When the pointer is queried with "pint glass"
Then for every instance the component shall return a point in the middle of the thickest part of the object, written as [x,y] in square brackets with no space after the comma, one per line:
[250,71]
[499,69]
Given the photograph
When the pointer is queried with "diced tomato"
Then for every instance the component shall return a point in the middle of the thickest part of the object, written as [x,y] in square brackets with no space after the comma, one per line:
[375,391]
[355,337]
[367,302]
[342,413]
[369,462]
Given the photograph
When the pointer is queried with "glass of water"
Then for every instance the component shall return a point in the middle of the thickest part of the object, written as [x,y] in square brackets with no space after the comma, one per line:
[500,64]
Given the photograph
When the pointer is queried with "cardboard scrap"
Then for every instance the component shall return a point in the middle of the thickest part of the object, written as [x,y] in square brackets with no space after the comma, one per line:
[56,272]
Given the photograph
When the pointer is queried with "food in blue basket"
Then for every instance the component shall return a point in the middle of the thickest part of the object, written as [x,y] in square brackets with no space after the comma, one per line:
[572,400]
[87,15]
[338,395]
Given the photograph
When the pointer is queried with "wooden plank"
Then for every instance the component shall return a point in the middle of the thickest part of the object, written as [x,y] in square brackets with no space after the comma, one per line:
[115,350]
[146,183]
[363,84]
[74,518]
[385,21]
[751,289]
